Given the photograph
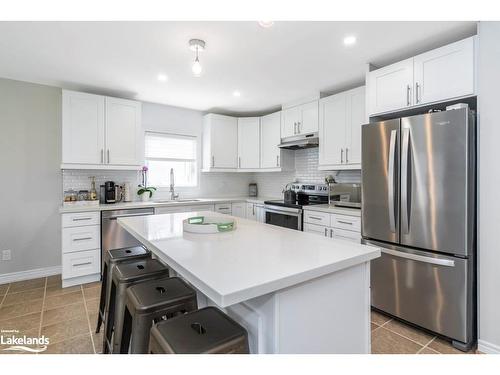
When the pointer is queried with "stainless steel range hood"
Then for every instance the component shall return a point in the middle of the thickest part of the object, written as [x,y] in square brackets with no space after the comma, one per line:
[300,141]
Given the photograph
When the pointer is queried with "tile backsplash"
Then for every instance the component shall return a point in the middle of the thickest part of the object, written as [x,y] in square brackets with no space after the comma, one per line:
[222,184]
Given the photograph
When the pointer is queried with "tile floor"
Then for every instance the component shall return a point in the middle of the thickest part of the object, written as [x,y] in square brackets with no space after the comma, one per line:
[68,317]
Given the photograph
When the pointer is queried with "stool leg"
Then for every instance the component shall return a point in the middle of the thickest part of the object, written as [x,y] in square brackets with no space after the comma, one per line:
[102,302]
[126,331]
[109,321]
[141,325]
[119,313]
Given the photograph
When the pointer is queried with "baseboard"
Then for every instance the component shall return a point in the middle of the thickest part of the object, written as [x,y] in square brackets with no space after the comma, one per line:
[30,274]
[487,347]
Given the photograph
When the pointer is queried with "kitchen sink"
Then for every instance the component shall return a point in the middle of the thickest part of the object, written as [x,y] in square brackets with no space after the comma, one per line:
[176,200]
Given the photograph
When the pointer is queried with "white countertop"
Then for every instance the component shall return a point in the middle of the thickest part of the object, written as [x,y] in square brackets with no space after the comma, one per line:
[332,209]
[251,261]
[153,203]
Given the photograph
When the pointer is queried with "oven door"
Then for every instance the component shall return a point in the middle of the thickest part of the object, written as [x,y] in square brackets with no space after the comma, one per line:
[284,217]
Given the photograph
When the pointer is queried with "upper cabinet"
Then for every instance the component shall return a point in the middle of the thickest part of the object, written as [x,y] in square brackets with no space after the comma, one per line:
[273,158]
[300,119]
[248,143]
[340,119]
[220,143]
[441,74]
[100,132]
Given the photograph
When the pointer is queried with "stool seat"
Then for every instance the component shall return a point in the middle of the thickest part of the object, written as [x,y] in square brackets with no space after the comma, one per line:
[127,253]
[207,330]
[129,272]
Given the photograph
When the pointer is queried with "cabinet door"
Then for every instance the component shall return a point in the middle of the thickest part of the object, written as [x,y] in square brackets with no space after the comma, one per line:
[248,142]
[308,121]
[224,142]
[391,87]
[445,72]
[317,229]
[123,132]
[356,118]
[289,119]
[269,140]
[82,128]
[333,119]
[260,213]
[239,209]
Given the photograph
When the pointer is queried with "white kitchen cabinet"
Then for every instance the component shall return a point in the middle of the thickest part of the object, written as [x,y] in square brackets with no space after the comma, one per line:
[332,225]
[178,209]
[100,132]
[438,75]
[273,158]
[299,120]
[445,72]
[341,118]
[220,143]
[248,143]
[256,212]
[239,209]
[123,132]
[250,213]
[223,208]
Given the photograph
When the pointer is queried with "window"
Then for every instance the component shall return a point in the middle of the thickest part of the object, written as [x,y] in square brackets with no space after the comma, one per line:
[166,151]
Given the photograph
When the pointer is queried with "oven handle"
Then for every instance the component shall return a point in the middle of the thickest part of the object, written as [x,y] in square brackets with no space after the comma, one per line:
[281,212]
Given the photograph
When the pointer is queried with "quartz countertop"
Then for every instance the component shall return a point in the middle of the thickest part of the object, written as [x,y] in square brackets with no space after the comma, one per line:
[159,203]
[253,260]
[332,209]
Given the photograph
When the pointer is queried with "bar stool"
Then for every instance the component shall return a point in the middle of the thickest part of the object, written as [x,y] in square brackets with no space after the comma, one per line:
[207,331]
[111,259]
[125,275]
[153,301]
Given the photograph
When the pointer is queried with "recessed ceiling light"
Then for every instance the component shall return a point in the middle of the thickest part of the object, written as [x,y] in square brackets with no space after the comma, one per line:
[266,24]
[162,77]
[236,93]
[349,40]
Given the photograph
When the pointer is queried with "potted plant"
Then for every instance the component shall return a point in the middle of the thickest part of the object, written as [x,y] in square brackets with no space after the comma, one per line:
[144,191]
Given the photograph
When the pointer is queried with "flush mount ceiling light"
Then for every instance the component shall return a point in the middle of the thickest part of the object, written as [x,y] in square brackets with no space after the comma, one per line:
[266,24]
[196,45]
[162,77]
[349,40]
[236,93]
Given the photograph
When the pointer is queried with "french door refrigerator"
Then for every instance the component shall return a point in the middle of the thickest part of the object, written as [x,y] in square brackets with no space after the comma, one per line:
[419,206]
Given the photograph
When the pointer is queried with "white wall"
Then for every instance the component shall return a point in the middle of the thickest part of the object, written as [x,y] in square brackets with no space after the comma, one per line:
[30,186]
[489,182]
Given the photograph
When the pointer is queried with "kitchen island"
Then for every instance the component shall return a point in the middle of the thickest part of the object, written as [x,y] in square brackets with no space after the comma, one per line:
[294,292]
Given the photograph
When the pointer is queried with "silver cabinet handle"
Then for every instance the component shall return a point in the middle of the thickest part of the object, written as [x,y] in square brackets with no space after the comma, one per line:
[81,218]
[81,264]
[108,156]
[315,217]
[298,127]
[391,180]
[346,153]
[102,156]
[326,232]
[405,181]
[420,258]
[417,86]
[294,128]
[253,209]
[82,239]
[408,95]
[239,161]
[331,233]
[344,222]
[342,156]
[213,161]
[277,160]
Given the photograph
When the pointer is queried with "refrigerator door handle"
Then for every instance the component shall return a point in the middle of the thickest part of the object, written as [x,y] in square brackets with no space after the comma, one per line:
[405,181]
[390,188]
[420,258]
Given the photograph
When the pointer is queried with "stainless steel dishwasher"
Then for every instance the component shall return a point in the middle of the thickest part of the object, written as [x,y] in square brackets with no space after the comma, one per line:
[113,236]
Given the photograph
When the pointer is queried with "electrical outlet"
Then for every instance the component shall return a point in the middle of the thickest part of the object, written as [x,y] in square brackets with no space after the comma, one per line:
[6,255]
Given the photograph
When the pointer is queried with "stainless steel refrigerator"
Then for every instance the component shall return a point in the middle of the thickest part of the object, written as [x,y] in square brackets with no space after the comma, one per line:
[419,206]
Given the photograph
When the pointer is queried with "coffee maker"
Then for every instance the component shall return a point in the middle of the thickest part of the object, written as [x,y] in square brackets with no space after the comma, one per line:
[110,193]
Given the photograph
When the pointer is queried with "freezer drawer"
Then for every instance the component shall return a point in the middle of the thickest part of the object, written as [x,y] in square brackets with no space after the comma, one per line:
[431,291]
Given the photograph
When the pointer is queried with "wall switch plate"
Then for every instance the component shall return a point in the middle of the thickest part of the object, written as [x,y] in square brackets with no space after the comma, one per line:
[6,255]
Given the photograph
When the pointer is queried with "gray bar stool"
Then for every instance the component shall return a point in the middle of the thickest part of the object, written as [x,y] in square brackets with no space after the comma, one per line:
[125,275]
[153,301]
[111,259]
[207,331]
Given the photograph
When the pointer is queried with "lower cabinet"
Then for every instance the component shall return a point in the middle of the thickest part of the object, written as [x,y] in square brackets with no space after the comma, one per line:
[224,208]
[239,209]
[342,227]
[256,212]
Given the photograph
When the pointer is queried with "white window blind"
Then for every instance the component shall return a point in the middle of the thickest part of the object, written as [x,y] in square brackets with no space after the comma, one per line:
[165,151]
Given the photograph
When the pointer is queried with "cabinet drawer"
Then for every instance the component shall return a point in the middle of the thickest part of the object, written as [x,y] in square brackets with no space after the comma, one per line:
[79,219]
[223,208]
[81,263]
[81,238]
[351,223]
[347,235]
[316,217]
[316,229]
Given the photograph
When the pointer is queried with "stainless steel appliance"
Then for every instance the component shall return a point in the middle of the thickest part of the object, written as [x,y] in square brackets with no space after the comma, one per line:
[419,206]
[287,213]
[110,193]
[345,195]
[113,236]
[300,141]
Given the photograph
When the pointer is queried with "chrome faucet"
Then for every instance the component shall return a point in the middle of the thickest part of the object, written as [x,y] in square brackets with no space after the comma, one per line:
[173,196]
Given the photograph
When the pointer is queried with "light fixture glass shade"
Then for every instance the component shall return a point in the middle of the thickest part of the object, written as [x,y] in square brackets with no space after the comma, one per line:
[196,68]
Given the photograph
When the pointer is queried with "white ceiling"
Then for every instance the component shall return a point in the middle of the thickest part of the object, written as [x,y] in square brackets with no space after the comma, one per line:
[268,66]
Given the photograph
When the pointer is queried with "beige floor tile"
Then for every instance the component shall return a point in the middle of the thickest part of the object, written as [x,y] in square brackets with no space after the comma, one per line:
[62,300]
[63,313]
[22,286]
[379,318]
[77,345]
[22,324]
[91,285]
[54,280]
[407,331]
[92,305]
[428,351]
[445,347]
[387,342]
[67,329]
[92,293]
[57,290]
[29,295]
[3,288]
[20,309]
[374,326]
